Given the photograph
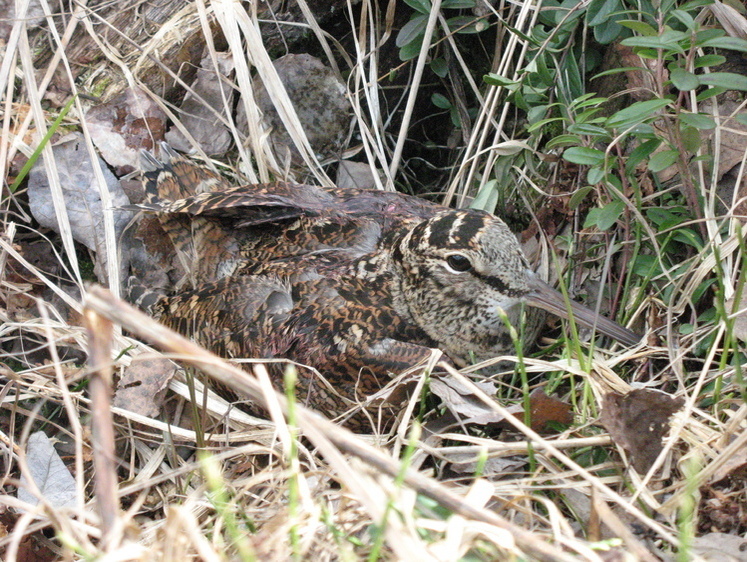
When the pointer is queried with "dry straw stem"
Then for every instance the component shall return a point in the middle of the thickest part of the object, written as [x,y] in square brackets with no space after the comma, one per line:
[330,439]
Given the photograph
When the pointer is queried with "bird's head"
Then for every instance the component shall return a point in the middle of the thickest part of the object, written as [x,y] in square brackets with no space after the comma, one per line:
[461,271]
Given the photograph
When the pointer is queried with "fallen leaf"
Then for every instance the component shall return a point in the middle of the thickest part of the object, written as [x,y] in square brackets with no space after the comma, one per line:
[735,468]
[143,386]
[123,126]
[732,134]
[48,472]
[199,116]
[638,421]
[466,463]
[547,410]
[358,175]
[81,196]
[463,403]
[719,547]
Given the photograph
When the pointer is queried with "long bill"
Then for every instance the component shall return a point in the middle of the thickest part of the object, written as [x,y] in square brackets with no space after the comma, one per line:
[545,297]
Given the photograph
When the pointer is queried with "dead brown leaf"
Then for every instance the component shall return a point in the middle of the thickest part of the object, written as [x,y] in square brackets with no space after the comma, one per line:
[547,411]
[735,469]
[199,116]
[143,386]
[123,126]
[638,420]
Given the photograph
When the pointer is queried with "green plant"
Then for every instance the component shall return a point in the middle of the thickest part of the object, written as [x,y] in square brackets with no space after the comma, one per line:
[410,37]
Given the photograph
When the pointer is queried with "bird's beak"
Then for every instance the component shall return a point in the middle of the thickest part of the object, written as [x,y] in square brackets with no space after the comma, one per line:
[543,296]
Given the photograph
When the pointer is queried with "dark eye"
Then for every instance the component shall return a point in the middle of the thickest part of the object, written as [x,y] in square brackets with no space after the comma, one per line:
[458,262]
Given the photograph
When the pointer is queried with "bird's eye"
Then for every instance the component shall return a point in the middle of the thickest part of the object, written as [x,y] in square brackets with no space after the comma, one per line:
[459,263]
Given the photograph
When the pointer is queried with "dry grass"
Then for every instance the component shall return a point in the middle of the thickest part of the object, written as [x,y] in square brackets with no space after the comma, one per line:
[207,481]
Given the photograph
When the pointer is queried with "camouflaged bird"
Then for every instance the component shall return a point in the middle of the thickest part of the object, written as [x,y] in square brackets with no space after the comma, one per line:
[358,284]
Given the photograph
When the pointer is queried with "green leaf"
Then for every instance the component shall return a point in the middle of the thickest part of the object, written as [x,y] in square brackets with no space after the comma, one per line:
[707,34]
[669,41]
[441,101]
[595,175]
[584,156]
[708,60]
[684,80]
[587,100]
[566,16]
[698,120]
[728,80]
[537,114]
[662,160]
[621,70]
[646,266]
[636,113]
[693,4]
[411,50]
[562,140]
[422,6]
[456,119]
[605,33]
[588,130]
[411,31]
[458,4]
[493,79]
[709,93]
[578,196]
[685,18]
[640,27]
[614,181]
[640,153]
[487,198]
[599,10]
[547,77]
[605,217]
[439,68]
[587,117]
[575,83]
[691,140]
[729,43]
[663,218]
[687,236]
[741,118]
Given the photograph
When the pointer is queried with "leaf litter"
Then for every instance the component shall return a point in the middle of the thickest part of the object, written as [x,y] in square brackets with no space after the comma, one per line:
[342,498]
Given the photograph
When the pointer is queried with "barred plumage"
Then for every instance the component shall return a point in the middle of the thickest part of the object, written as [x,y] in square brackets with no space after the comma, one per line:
[356,284]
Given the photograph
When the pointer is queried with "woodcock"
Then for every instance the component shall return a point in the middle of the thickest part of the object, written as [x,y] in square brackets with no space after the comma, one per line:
[358,284]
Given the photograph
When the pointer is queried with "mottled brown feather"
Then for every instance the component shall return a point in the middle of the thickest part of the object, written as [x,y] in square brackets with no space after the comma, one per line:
[356,284]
